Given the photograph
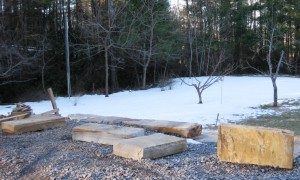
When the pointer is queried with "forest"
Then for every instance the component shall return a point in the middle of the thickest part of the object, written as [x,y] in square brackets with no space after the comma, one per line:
[106,46]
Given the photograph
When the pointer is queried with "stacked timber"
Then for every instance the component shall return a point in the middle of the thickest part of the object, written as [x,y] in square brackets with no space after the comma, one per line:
[183,129]
[21,108]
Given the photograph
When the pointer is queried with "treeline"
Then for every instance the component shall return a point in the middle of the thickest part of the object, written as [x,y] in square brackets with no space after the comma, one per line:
[127,44]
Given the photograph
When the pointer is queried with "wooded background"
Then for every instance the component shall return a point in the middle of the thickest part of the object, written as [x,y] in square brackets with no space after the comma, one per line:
[137,44]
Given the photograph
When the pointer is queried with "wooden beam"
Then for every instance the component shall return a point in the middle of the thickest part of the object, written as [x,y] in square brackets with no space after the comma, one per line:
[34,123]
[15,117]
[52,99]
[183,129]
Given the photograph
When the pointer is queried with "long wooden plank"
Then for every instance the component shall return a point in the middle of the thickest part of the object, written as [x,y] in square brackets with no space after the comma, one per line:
[11,118]
[20,116]
[183,129]
[33,123]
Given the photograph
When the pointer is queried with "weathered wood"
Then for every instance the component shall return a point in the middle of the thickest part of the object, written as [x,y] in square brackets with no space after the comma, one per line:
[256,145]
[54,111]
[52,99]
[21,108]
[104,134]
[183,129]
[15,117]
[149,147]
[34,123]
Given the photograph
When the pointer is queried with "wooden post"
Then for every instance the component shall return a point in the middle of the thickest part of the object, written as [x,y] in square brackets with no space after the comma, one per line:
[52,99]
[67,49]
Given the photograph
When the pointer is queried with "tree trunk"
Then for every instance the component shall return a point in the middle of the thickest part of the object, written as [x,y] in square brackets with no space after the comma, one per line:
[106,72]
[190,41]
[144,77]
[191,57]
[154,72]
[69,15]
[67,50]
[275,95]
[113,76]
[199,92]
[137,76]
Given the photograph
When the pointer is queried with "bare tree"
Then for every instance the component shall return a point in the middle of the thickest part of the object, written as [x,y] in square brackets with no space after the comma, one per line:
[273,75]
[100,27]
[190,37]
[216,70]
[13,59]
[273,66]
[145,46]
[45,59]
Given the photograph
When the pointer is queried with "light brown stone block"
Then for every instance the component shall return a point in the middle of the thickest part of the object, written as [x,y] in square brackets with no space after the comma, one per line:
[149,147]
[104,134]
[255,145]
[33,123]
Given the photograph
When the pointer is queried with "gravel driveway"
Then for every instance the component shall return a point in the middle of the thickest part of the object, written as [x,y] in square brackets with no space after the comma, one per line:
[52,154]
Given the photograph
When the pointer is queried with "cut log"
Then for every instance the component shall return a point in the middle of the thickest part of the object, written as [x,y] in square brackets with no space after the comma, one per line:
[149,147]
[256,145]
[52,99]
[34,123]
[104,134]
[183,129]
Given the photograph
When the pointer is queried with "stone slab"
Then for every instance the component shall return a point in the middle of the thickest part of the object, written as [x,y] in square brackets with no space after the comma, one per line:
[255,145]
[297,146]
[149,147]
[104,134]
[183,129]
[33,123]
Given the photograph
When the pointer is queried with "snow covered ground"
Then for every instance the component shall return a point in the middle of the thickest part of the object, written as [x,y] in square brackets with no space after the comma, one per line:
[233,99]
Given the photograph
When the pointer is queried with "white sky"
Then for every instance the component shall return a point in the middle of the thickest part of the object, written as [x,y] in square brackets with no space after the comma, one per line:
[176,2]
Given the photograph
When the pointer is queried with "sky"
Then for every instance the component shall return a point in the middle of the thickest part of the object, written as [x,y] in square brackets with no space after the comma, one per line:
[176,2]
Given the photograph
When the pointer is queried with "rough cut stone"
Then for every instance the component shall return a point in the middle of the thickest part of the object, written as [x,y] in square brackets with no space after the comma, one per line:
[104,134]
[256,145]
[150,147]
[297,146]
[33,123]
[183,129]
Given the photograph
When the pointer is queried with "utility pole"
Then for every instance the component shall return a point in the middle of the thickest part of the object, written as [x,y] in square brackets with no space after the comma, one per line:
[67,48]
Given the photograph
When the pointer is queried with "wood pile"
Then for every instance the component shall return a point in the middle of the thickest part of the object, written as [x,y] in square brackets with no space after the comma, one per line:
[21,111]
[21,108]
[24,112]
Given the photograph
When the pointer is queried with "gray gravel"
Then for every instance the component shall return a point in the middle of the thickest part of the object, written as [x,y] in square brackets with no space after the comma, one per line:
[52,154]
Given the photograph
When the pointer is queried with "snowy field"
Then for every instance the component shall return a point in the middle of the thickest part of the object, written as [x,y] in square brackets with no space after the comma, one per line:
[234,98]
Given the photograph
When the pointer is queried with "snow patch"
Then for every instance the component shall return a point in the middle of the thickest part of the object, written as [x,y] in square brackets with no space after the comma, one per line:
[234,98]
[192,141]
